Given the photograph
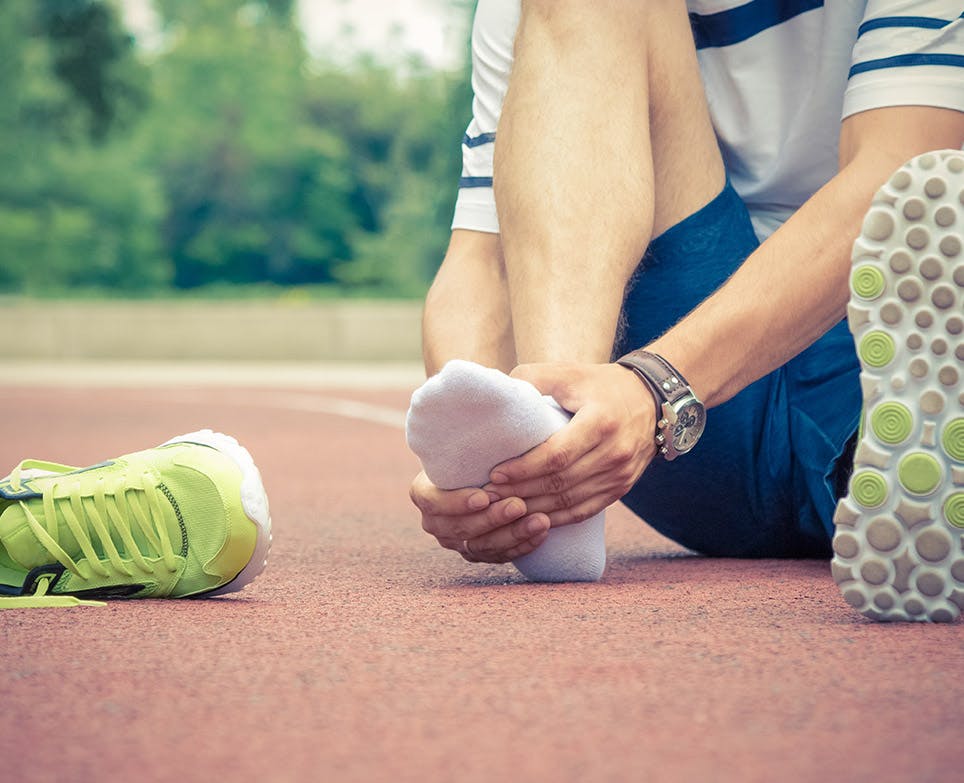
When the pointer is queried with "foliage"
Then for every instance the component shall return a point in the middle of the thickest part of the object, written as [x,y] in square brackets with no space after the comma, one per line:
[228,156]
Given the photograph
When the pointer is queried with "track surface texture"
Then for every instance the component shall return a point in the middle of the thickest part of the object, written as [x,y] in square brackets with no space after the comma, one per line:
[366,653]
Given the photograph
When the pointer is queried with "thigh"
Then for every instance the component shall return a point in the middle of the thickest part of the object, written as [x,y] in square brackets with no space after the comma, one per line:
[734,494]
[823,393]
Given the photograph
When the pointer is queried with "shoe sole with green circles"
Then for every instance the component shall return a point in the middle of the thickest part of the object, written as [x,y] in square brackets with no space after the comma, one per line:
[899,539]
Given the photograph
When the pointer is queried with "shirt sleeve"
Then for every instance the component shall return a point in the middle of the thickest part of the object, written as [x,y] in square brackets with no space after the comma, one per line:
[908,53]
[493,36]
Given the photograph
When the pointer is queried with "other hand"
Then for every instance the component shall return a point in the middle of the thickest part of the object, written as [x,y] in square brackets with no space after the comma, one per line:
[597,457]
[481,526]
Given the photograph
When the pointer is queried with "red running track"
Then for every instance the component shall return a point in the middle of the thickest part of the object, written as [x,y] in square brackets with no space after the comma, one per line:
[365,653]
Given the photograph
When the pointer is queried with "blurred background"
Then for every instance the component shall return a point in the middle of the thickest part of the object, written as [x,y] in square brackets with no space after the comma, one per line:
[228,148]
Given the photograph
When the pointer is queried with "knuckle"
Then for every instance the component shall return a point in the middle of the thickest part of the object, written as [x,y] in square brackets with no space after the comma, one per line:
[563,500]
[554,482]
[519,532]
[607,427]
[414,495]
[557,459]
[423,502]
[621,454]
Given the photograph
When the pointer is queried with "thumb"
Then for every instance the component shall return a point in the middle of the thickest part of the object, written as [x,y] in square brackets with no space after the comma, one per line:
[552,379]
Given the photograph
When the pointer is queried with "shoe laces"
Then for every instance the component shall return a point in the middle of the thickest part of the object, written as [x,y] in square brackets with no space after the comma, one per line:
[40,598]
[113,505]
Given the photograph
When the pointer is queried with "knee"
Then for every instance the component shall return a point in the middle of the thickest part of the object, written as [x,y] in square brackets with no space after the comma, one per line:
[578,17]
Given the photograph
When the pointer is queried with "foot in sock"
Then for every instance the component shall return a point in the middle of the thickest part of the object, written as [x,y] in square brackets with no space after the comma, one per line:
[466,420]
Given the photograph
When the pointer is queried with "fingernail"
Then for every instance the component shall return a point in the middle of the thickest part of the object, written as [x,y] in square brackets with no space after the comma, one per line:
[514,509]
[493,496]
[499,478]
[478,501]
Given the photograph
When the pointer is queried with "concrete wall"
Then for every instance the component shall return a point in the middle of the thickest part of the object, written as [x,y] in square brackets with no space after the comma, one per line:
[255,330]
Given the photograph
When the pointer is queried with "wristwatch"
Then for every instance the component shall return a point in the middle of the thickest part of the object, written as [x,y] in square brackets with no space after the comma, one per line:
[681,417]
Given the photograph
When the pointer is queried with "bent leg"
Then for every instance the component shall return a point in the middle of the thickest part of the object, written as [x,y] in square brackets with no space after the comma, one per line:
[604,139]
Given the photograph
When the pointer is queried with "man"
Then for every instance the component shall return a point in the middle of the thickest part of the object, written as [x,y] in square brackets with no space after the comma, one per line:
[604,133]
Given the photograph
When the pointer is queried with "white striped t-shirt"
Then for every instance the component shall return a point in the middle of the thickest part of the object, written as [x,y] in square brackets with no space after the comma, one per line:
[779,76]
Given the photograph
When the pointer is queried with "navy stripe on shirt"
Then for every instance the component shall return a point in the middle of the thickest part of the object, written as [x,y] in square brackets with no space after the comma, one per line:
[478,141]
[904,60]
[924,22]
[726,28]
[475,182]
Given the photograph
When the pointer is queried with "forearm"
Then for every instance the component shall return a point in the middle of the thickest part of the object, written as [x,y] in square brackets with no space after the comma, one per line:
[466,313]
[784,296]
[795,286]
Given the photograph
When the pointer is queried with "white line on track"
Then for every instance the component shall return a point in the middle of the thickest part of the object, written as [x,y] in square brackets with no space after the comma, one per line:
[293,401]
[230,376]
[264,375]
[351,409]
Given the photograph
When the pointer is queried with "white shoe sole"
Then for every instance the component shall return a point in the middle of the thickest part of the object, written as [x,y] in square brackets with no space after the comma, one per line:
[254,501]
[899,541]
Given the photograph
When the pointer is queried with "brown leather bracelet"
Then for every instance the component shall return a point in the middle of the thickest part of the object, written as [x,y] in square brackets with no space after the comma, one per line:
[670,392]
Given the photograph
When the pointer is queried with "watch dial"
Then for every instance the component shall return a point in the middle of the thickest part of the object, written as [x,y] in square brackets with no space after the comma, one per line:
[690,422]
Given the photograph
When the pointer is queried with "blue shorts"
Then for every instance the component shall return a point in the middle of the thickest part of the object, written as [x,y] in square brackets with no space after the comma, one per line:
[764,479]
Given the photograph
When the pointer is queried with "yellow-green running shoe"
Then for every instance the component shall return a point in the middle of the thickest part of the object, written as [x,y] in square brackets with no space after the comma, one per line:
[899,540]
[187,518]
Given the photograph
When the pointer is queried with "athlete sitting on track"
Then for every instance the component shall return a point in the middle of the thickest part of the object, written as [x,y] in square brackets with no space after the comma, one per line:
[736,151]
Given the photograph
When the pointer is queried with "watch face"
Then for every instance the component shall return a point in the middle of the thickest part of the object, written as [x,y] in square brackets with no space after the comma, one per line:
[690,422]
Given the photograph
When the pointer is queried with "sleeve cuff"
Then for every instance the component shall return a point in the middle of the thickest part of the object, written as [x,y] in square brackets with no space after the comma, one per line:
[936,89]
[475,210]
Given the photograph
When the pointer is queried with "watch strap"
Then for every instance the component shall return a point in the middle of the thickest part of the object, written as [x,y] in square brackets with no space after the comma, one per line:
[668,384]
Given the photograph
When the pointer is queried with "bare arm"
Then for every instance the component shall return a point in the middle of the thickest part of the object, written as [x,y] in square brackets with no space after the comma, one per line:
[467,316]
[466,312]
[794,287]
[790,291]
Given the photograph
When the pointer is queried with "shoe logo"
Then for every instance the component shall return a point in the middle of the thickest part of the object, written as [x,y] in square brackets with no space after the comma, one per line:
[25,491]
[113,591]
[57,571]
[106,464]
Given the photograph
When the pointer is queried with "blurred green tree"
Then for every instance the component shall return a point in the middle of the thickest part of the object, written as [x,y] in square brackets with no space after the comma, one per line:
[225,154]
[255,192]
[403,138]
[74,211]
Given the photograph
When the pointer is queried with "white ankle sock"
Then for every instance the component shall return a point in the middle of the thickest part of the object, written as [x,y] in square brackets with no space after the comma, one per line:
[466,420]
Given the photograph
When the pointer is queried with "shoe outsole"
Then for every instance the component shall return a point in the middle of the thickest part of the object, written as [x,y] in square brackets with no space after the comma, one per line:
[899,540]
[254,501]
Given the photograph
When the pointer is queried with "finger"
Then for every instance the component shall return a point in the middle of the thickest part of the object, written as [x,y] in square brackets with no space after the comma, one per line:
[609,464]
[467,526]
[527,547]
[608,480]
[582,511]
[560,452]
[459,545]
[549,484]
[500,545]
[431,500]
